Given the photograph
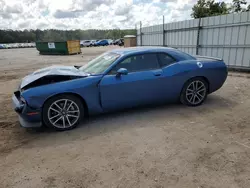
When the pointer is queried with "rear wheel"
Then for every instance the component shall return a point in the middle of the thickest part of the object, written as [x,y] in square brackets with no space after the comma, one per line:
[194,92]
[63,112]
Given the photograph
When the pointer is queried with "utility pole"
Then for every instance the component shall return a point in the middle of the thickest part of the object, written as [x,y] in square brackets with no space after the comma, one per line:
[140,33]
[163,32]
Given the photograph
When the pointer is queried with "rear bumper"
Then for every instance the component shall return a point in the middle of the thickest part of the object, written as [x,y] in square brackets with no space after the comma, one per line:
[28,118]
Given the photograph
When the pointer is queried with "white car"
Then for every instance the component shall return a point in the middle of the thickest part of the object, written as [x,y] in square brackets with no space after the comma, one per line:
[93,42]
[15,45]
[86,43]
[110,41]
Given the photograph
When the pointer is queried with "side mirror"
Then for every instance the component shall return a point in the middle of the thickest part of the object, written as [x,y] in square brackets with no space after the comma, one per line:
[122,71]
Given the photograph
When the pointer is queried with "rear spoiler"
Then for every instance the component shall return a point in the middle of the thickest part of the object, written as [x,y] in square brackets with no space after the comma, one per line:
[207,57]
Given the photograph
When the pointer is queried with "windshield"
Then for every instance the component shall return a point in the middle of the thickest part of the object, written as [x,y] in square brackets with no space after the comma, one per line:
[100,64]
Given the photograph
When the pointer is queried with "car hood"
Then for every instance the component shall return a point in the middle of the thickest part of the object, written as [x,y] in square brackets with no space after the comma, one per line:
[52,71]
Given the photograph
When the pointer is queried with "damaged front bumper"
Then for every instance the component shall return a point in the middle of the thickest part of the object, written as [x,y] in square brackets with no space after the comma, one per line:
[28,117]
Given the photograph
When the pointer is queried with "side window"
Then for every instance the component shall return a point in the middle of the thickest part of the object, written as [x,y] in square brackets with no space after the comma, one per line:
[165,59]
[138,63]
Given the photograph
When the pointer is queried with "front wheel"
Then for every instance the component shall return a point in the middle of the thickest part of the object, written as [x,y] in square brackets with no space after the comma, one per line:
[63,112]
[194,92]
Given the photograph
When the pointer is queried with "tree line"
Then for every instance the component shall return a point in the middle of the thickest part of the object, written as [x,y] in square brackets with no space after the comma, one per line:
[206,8]
[51,35]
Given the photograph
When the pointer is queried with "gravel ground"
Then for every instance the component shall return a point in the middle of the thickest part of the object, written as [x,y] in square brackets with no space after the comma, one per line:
[163,146]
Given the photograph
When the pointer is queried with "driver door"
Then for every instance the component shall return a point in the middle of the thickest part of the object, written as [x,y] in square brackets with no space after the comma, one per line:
[142,85]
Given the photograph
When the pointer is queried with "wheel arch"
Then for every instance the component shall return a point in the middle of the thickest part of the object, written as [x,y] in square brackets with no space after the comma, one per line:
[86,110]
[203,77]
[191,79]
[208,83]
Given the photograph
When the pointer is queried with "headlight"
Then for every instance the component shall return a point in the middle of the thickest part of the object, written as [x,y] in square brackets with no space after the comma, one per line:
[23,101]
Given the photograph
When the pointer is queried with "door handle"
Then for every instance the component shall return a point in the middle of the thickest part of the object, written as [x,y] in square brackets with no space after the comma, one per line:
[157,74]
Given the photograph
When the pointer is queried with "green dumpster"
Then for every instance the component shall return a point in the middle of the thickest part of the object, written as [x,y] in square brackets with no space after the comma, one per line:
[59,48]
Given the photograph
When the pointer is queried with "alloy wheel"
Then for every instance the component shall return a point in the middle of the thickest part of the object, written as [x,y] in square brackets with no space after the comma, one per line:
[196,92]
[63,113]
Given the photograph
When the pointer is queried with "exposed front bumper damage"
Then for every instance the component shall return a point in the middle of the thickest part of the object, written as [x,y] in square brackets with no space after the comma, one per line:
[23,111]
[27,124]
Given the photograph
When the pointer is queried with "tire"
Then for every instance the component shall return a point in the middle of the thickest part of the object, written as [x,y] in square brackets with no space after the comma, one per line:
[63,112]
[194,92]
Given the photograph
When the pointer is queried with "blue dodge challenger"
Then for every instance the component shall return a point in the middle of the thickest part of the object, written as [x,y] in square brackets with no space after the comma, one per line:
[61,96]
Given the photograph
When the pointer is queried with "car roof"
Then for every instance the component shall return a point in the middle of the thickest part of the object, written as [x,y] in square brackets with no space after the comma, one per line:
[177,54]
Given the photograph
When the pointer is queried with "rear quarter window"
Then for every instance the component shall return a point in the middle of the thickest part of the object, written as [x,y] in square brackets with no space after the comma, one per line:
[165,59]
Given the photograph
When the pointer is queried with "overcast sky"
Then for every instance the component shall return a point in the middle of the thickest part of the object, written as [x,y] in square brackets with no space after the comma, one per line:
[90,14]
